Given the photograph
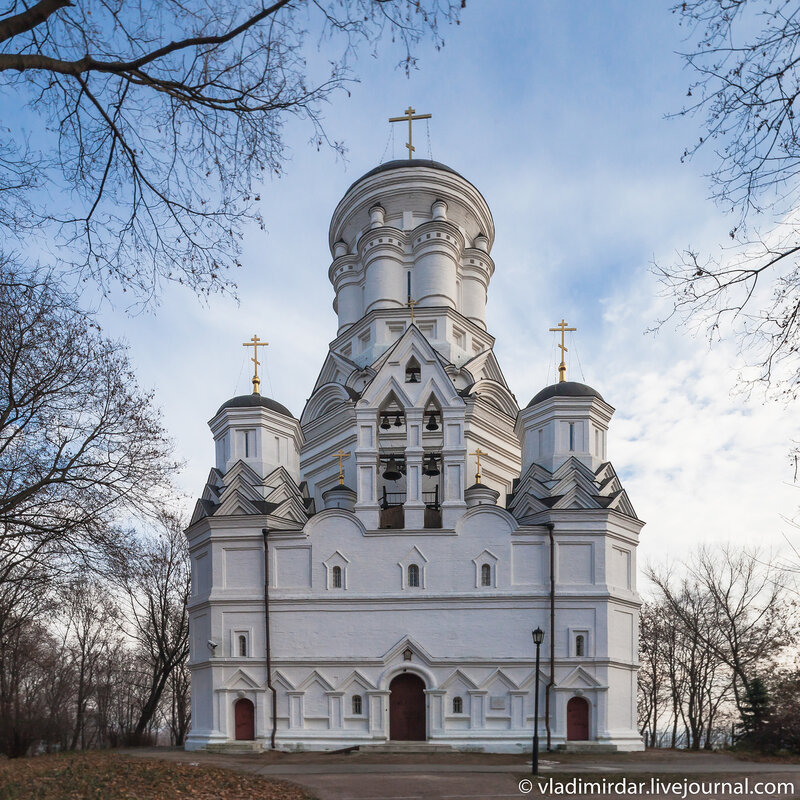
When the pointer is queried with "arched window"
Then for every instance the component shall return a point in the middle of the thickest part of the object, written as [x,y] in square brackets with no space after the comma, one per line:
[579,645]
[458,705]
[242,645]
[337,577]
[357,704]
[486,575]
[413,575]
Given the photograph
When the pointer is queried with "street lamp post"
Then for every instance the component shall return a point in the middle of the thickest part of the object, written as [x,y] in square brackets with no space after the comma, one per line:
[538,638]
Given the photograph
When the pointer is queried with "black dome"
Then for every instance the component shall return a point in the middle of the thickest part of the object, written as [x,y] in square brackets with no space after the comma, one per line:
[565,389]
[400,163]
[253,400]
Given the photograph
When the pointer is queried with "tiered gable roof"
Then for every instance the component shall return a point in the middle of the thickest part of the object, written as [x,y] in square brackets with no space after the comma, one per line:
[572,486]
[241,491]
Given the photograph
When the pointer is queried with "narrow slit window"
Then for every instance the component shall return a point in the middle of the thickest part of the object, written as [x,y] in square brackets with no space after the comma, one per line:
[458,705]
[242,645]
[486,575]
[571,436]
[337,577]
[413,575]
[580,645]
[357,708]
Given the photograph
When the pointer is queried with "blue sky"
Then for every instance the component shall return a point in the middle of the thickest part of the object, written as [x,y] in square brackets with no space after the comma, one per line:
[556,112]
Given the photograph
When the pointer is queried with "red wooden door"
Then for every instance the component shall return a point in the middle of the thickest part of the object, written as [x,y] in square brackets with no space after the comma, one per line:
[577,720]
[407,708]
[245,720]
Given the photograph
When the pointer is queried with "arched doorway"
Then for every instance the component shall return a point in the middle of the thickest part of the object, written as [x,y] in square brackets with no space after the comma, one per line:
[577,719]
[244,714]
[407,708]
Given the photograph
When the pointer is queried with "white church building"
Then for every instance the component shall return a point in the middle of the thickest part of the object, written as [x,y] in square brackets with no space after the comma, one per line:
[359,574]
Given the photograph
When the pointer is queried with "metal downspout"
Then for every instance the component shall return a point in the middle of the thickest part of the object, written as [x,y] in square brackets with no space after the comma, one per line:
[271,688]
[551,682]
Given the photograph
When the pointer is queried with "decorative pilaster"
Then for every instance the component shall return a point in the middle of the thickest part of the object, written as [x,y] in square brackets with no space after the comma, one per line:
[366,506]
[414,506]
[454,463]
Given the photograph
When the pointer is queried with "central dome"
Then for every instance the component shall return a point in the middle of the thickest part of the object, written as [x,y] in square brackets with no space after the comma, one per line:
[404,163]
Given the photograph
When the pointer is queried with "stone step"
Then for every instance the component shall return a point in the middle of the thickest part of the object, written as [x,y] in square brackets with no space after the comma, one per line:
[586,747]
[405,747]
[235,748]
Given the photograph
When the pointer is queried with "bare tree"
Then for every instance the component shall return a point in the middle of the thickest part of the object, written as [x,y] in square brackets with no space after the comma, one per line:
[652,675]
[738,614]
[157,580]
[744,60]
[79,441]
[90,616]
[166,115]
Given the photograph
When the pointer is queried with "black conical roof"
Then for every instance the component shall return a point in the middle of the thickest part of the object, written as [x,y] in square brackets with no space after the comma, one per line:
[565,389]
[254,400]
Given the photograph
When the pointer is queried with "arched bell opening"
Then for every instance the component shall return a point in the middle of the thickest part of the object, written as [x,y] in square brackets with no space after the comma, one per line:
[391,462]
[432,462]
[413,370]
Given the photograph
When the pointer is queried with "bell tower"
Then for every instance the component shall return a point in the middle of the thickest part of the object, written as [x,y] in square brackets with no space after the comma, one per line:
[412,366]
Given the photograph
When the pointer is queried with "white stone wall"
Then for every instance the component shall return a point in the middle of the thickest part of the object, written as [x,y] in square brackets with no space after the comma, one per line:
[466,640]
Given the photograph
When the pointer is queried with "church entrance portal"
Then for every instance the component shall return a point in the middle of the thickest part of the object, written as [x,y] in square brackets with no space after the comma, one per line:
[407,708]
[245,720]
[577,720]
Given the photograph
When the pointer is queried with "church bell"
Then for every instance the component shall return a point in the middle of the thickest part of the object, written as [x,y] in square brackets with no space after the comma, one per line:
[392,472]
[385,424]
[432,424]
[431,468]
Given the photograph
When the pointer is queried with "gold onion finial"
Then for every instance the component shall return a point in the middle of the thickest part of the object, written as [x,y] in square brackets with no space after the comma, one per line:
[478,453]
[409,115]
[255,343]
[411,303]
[562,367]
[341,455]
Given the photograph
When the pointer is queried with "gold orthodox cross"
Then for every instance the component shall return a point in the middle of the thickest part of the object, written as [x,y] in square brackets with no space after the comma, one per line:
[341,455]
[255,343]
[411,303]
[562,367]
[478,453]
[409,115]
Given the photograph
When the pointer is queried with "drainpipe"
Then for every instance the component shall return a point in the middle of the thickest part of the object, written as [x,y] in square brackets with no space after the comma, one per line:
[551,682]
[265,533]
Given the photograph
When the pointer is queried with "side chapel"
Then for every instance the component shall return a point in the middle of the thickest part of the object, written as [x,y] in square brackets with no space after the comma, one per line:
[373,570]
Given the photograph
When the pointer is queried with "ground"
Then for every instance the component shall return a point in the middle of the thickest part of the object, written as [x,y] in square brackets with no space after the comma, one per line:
[477,776]
[108,775]
[164,774]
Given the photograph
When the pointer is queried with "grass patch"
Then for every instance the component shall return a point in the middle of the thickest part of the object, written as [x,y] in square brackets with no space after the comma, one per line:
[105,775]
